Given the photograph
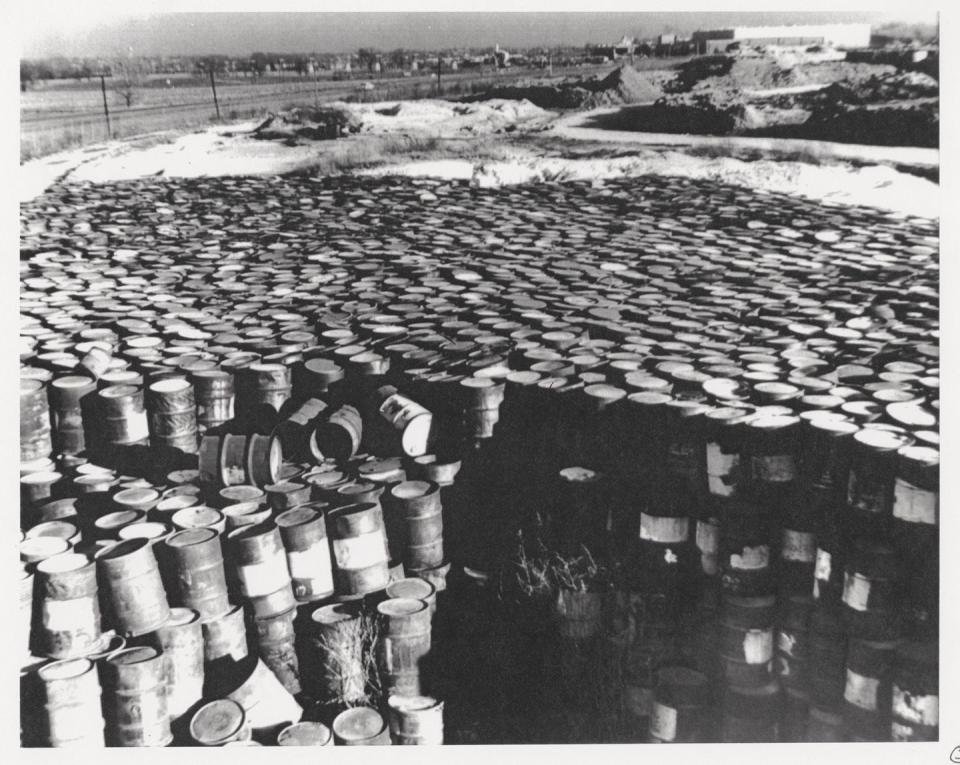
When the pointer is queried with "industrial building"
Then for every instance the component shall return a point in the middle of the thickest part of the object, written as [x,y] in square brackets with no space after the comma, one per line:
[834,35]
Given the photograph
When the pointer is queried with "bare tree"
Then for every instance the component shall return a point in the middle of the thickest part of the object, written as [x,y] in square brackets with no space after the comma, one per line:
[127,78]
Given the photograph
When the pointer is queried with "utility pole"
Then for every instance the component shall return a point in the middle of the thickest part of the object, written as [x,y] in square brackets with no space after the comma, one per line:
[439,62]
[214,86]
[550,59]
[316,86]
[106,110]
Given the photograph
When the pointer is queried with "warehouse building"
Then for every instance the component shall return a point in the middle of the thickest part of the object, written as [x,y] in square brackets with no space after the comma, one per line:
[833,35]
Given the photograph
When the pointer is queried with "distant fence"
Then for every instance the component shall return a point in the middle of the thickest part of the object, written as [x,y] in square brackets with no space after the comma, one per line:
[45,134]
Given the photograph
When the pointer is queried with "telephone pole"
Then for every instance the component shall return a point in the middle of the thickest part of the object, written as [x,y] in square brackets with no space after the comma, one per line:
[214,86]
[106,110]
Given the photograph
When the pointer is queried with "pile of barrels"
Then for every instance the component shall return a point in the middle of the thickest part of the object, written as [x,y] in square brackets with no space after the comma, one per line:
[278,438]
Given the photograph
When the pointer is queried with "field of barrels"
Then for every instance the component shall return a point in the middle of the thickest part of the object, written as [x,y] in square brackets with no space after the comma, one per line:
[371,461]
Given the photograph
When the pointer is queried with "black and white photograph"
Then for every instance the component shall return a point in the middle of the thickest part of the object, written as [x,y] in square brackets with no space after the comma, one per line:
[482,376]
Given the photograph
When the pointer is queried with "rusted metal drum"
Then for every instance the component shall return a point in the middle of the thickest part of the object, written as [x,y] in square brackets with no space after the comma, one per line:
[198,577]
[122,417]
[208,458]
[172,414]
[304,534]
[916,692]
[750,714]
[181,642]
[305,734]
[135,698]
[276,646]
[415,720]
[72,715]
[361,726]
[745,640]
[25,610]
[69,624]
[403,644]
[826,667]
[359,545]
[679,713]
[261,564]
[792,644]
[268,705]
[824,725]
[296,431]
[419,502]
[232,460]
[66,412]
[219,722]
[264,457]
[412,423]
[134,597]
[338,635]
[872,581]
[339,437]
[213,390]
[868,692]
[225,638]
[35,441]
[39,488]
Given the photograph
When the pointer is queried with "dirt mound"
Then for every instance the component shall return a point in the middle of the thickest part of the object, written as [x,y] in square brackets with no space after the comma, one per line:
[886,87]
[313,123]
[766,72]
[916,124]
[624,85]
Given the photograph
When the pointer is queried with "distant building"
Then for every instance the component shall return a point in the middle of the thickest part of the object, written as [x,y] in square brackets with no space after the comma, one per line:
[832,35]
[502,57]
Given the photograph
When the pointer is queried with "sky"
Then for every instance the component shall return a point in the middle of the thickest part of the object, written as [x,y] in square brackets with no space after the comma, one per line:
[82,30]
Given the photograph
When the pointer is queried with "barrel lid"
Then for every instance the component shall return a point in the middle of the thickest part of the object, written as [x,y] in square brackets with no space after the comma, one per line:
[305,734]
[136,496]
[217,720]
[336,612]
[170,385]
[71,382]
[413,489]
[358,724]
[174,502]
[411,588]
[881,440]
[919,455]
[400,607]
[29,385]
[193,536]
[41,478]
[65,669]
[299,515]
[118,391]
[911,414]
[62,563]
[144,530]
[180,617]
[412,703]
[61,529]
[135,655]
[196,515]
[43,547]
[241,493]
